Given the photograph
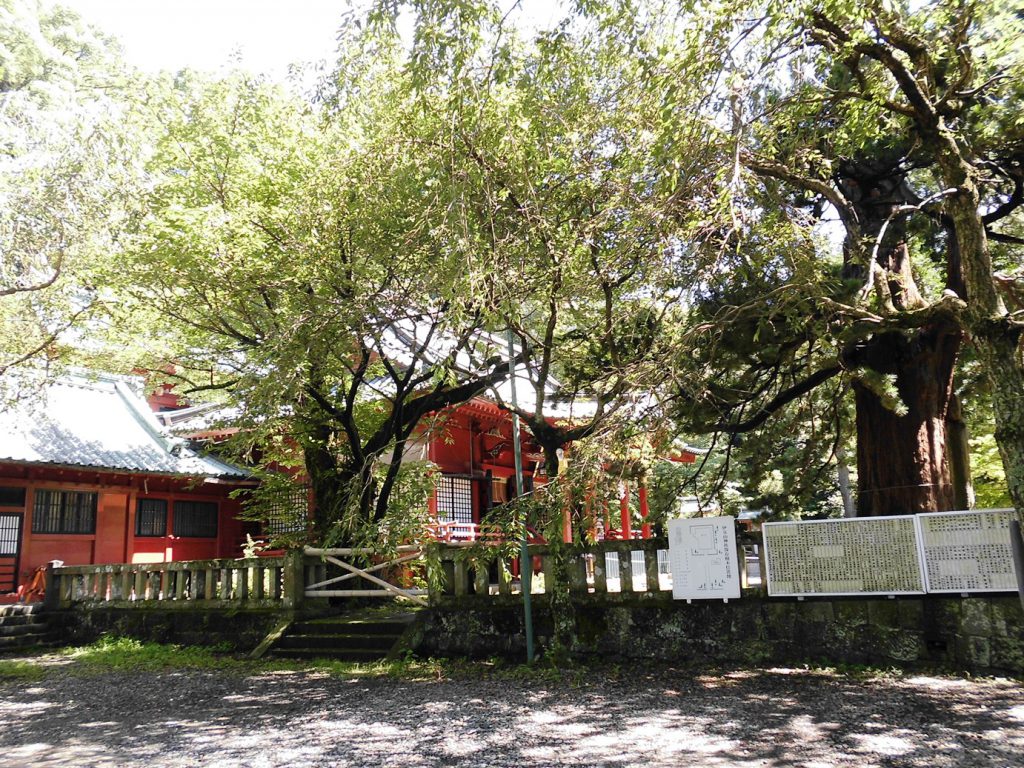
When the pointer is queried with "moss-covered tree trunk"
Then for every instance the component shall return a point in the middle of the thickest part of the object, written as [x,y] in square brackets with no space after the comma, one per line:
[1001,357]
[995,335]
[343,495]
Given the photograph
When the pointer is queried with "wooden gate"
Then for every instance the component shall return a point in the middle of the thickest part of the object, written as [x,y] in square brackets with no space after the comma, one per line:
[10,549]
[338,558]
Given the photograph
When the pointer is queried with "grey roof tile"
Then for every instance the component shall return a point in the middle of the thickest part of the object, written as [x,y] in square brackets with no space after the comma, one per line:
[99,422]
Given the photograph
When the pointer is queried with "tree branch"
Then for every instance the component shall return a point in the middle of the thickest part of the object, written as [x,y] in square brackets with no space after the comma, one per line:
[772,169]
[783,398]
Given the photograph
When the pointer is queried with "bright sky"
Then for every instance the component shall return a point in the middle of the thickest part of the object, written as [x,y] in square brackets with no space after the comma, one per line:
[206,34]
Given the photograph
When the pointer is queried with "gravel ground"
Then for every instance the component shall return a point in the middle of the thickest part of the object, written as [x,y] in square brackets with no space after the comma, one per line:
[644,717]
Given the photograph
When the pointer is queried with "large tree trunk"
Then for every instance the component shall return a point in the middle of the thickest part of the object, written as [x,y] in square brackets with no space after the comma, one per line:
[1000,353]
[959,450]
[902,466]
[997,340]
[343,496]
[322,469]
[901,459]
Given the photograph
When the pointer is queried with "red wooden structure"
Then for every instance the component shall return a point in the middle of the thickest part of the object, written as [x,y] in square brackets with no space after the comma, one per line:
[88,476]
[474,453]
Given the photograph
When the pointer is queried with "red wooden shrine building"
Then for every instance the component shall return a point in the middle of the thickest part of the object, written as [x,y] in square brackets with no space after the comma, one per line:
[91,475]
[474,453]
[88,475]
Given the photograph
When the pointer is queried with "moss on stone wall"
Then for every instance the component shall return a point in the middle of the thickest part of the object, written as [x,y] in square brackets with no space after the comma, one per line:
[979,634]
[238,630]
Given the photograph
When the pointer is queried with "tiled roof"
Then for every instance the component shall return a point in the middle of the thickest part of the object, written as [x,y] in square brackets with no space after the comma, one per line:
[202,419]
[102,423]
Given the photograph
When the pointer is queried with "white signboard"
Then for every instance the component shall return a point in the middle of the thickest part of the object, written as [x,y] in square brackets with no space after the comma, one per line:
[854,556]
[967,551]
[702,557]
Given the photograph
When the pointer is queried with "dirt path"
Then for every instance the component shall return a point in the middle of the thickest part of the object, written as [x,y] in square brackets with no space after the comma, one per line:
[646,717]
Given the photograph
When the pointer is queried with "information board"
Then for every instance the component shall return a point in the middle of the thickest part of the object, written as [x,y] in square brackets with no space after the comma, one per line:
[854,556]
[967,551]
[702,558]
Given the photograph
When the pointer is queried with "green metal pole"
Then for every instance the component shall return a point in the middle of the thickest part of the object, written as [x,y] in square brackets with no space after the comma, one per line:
[525,563]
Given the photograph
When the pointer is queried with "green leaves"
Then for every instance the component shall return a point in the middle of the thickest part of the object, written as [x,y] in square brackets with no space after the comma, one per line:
[68,161]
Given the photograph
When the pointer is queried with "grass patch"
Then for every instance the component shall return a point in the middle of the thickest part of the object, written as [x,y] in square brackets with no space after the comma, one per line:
[130,655]
[413,669]
[14,669]
[125,653]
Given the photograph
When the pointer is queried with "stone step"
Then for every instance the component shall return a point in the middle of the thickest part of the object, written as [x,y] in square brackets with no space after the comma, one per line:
[382,643]
[21,618]
[18,630]
[334,654]
[365,636]
[362,627]
[27,642]
[20,609]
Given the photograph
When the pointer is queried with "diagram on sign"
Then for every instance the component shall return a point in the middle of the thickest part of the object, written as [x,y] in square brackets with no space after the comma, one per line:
[702,556]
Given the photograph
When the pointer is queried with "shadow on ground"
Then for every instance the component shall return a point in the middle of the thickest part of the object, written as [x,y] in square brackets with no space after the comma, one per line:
[648,716]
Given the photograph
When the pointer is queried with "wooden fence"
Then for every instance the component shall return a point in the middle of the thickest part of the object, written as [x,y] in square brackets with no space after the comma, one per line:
[253,582]
[260,582]
[623,570]
[628,570]
[319,584]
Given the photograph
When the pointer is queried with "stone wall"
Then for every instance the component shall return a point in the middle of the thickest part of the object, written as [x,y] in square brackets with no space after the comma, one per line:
[978,634]
[240,630]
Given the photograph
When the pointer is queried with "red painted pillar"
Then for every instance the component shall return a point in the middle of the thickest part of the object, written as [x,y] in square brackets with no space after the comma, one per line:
[627,525]
[591,515]
[567,515]
[432,506]
[567,499]
[645,529]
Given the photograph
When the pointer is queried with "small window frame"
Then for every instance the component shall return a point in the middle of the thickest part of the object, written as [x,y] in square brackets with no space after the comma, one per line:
[146,526]
[13,496]
[195,528]
[62,512]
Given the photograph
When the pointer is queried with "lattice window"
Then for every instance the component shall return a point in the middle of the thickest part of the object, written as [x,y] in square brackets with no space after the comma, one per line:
[195,519]
[151,517]
[64,512]
[10,535]
[286,512]
[454,499]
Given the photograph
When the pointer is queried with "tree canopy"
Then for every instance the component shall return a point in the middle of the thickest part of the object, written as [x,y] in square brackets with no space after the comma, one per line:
[794,227]
[66,154]
[903,127]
